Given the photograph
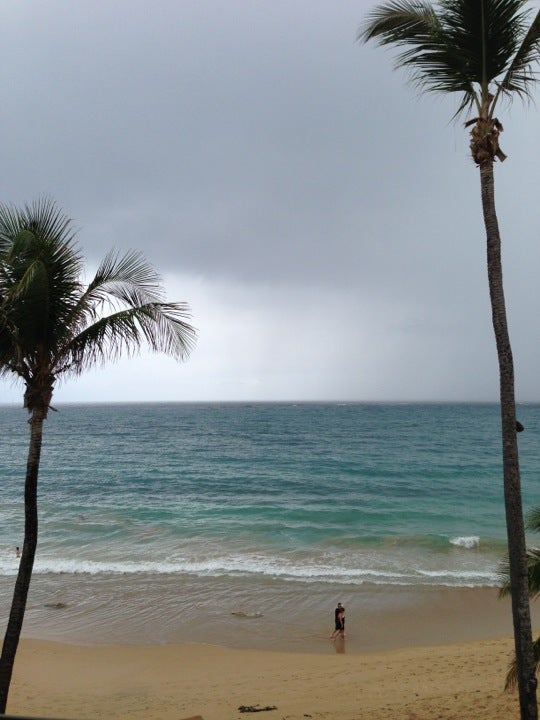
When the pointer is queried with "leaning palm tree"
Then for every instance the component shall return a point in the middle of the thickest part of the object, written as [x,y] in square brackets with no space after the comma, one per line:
[486,51]
[52,326]
[533,564]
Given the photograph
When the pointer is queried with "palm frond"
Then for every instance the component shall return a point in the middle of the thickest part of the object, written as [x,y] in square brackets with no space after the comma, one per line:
[119,283]
[411,24]
[493,30]
[511,675]
[431,55]
[42,217]
[533,570]
[163,327]
[39,269]
[401,22]
[520,75]
[129,279]
[463,46]
[533,519]
[50,324]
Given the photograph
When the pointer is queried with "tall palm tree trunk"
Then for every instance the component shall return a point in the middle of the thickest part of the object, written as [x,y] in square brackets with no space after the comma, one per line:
[22,584]
[517,553]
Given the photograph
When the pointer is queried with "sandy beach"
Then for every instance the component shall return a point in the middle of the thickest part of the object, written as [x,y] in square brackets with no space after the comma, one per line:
[444,657]
[462,680]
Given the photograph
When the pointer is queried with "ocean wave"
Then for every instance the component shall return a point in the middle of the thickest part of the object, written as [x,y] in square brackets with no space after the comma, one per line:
[468,541]
[253,566]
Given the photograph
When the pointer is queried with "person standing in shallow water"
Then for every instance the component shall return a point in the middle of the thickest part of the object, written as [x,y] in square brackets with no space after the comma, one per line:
[339,622]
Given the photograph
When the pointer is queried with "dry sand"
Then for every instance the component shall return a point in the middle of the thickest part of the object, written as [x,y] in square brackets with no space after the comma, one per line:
[457,681]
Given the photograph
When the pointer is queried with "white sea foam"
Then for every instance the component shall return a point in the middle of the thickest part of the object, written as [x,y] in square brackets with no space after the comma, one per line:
[468,541]
[336,570]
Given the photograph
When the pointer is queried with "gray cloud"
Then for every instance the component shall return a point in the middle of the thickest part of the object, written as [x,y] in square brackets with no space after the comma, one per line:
[325,219]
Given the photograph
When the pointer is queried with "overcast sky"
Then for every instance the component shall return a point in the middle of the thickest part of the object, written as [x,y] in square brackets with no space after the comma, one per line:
[321,218]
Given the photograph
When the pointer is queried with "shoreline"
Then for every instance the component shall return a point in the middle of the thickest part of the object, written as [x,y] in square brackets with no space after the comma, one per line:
[185,681]
[378,618]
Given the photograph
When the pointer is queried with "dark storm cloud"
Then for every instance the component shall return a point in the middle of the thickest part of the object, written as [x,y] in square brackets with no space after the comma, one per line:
[234,138]
[257,152]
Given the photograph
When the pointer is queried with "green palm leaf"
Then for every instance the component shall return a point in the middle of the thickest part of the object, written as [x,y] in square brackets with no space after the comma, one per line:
[533,571]
[512,674]
[478,48]
[127,280]
[533,519]
[163,327]
[520,75]
[51,325]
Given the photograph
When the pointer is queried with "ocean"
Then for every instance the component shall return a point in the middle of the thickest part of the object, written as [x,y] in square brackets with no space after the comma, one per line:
[179,522]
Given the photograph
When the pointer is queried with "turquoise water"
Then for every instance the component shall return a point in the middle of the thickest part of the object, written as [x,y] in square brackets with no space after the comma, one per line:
[269,501]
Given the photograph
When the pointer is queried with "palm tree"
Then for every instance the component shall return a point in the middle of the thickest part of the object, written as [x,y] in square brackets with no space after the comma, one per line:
[52,326]
[533,563]
[486,51]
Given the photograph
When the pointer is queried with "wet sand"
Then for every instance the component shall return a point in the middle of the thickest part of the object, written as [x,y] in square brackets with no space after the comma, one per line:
[275,616]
